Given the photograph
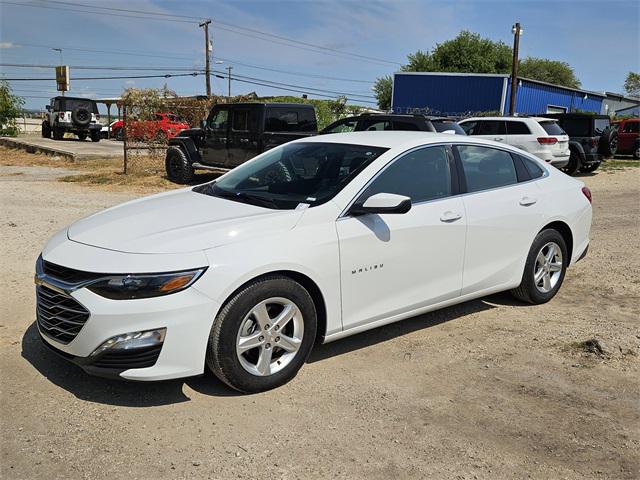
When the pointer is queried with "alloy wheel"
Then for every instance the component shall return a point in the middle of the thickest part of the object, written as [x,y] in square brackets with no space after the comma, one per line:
[548,267]
[270,336]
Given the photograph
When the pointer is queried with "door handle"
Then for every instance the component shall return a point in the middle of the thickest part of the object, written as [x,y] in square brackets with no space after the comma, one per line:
[450,216]
[498,139]
[244,140]
[528,201]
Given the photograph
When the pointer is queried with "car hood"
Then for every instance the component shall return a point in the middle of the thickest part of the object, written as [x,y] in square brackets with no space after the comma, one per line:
[179,221]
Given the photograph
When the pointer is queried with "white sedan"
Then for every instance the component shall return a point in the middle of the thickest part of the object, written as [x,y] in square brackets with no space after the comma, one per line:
[310,242]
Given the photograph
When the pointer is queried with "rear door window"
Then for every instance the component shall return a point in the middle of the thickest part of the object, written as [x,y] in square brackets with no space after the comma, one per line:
[492,127]
[486,167]
[517,128]
[552,128]
[240,120]
[471,127]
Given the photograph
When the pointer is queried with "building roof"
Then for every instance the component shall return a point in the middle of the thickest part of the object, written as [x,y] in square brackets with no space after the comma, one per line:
[504,75]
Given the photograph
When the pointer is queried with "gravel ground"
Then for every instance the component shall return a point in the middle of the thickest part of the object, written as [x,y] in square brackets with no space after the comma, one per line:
[487,389]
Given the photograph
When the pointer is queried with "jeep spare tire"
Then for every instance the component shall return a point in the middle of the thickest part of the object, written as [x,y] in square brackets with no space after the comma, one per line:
[608,145]
[80,116]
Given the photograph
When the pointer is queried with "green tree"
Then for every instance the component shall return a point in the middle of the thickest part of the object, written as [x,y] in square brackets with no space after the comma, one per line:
[551,71]
[470,53]
[632,84]
[382,91]
[10,110]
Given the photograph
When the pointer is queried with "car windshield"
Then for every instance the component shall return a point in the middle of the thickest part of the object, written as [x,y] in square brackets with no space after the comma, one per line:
[309,173]
[73,103]
[448,126]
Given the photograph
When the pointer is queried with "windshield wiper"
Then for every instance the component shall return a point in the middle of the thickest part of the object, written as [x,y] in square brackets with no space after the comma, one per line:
[244,197]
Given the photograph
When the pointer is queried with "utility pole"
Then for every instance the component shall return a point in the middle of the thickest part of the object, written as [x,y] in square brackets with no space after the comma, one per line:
[516,30]
[229,79]
[207,55]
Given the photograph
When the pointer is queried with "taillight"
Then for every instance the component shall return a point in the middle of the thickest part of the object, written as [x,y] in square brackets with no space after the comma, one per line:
[547,140]
[587,193]
[61,114]
[595,141]
[97,117]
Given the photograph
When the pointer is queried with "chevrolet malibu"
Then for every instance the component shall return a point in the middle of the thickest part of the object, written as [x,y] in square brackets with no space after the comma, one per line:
[315,240]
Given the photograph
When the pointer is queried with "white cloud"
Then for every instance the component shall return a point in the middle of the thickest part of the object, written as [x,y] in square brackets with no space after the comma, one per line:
[7,45]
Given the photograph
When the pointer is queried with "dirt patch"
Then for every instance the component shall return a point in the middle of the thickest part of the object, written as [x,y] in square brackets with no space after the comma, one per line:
[487,389]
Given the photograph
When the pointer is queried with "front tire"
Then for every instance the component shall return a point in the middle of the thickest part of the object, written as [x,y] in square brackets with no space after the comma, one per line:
[178,166]
[58,133]
[545,268]
[263,335]
[95,136]
[82,136]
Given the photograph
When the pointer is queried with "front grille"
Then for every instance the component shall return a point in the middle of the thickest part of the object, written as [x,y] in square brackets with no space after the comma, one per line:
[126,359]
[68,275]
[59,316]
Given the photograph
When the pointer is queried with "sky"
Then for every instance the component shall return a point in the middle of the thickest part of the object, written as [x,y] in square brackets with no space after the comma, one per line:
[599,39]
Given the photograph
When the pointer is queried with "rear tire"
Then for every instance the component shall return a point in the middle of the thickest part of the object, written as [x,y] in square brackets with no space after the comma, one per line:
[543,272]
[118,133]
[95,136]
[82,136]
[636,151]
[574,164]
[58,133]
[274,349]
[46,130]
[178,166]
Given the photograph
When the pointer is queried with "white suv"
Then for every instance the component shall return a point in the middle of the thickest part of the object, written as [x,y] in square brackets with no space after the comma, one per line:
[542,137]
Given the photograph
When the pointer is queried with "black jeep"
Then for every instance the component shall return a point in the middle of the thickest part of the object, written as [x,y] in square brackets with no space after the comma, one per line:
[591,140]
[75,115]
[235,133]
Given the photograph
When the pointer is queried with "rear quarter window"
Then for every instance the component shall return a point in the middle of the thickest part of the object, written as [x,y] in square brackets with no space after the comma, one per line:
[290,120]
[600,125]
[577,127]
[532,167]
[445,126]
[552,128]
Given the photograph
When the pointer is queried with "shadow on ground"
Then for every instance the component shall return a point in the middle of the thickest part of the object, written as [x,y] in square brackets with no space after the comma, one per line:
[147,394]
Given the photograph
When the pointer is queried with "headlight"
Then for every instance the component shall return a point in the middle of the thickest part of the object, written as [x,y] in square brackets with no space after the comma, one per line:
[127,287]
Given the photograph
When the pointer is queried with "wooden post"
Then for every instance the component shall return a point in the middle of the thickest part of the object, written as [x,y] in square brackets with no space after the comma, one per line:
[124,144]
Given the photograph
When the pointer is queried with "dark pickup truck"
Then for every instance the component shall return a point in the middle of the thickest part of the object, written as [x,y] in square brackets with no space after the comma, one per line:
[235,133]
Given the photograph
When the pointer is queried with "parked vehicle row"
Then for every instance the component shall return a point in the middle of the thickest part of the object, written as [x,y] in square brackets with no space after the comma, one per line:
[320,238]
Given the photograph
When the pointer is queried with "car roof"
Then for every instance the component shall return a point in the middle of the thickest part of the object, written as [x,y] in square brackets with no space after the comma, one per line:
[74,98]
[401,139]
[537,119]
[266,104]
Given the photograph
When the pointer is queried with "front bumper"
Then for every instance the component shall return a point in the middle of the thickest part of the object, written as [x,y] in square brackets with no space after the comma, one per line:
[187,317]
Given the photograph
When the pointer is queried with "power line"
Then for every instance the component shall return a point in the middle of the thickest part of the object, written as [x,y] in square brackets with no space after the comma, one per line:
[226,59]
[194,73]
[225,26]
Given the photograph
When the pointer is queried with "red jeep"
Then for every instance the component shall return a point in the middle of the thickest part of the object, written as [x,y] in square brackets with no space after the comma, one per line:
[629,137]
[163,127]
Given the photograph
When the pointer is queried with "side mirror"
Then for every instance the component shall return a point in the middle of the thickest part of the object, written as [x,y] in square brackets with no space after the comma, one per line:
[48,107]
[203,124]
[382,203]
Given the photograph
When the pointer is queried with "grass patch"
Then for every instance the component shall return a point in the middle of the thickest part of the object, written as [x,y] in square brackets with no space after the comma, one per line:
[616,164]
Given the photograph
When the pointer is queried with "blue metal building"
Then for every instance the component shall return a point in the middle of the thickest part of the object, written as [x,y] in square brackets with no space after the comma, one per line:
[463,94]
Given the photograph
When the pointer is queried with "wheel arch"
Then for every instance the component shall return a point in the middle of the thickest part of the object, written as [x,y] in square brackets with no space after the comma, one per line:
[565,230]
[308,283]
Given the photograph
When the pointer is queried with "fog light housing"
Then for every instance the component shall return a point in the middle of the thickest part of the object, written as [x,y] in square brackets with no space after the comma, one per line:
[133,340]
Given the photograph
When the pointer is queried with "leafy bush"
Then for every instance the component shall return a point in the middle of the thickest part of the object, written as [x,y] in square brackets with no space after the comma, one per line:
[10,109]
